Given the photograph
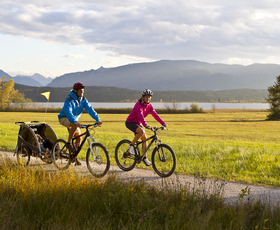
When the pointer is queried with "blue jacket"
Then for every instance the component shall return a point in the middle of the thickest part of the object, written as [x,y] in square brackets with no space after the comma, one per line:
[73,108]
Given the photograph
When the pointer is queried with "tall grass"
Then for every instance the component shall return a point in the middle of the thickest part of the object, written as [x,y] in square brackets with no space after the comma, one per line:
[235,146]
[34,199]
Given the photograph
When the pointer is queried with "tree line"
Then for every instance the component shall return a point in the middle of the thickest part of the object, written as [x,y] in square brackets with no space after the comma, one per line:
[10,93]
[114,94]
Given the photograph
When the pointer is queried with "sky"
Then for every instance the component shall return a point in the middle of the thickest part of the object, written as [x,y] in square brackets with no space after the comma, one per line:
[54,37]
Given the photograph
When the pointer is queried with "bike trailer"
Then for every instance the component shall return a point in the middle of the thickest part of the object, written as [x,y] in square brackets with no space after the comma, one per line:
[37,139]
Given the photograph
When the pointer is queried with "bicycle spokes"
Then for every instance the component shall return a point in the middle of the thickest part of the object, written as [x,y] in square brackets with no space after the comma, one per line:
[98,160]
[163,160]
[125,160]
[61,155]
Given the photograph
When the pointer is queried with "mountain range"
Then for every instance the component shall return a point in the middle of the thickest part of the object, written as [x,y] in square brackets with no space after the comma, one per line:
[34,80]
[165,75]
[176,75]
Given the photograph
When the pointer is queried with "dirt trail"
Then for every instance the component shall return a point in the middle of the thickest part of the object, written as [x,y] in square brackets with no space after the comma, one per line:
[230,191]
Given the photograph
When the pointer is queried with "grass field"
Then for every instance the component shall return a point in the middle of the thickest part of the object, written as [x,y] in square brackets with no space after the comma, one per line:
[230,145]
[31,198]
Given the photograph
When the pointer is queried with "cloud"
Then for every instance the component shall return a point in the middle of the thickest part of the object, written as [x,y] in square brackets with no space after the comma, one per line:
[74,56]
[201,29]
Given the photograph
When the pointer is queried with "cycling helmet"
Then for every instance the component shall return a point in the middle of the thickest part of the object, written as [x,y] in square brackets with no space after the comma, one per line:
[78,85]
[147,92]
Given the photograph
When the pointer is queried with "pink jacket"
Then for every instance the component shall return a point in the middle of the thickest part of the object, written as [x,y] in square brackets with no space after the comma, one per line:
[140,111]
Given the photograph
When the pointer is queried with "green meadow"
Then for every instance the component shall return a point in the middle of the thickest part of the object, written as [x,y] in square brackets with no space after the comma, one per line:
[229,145]
[232,145]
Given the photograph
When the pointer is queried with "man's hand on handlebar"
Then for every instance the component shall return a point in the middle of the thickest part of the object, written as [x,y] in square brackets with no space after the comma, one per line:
[99,122]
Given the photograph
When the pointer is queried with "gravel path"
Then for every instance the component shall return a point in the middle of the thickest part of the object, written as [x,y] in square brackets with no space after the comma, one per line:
[230,191]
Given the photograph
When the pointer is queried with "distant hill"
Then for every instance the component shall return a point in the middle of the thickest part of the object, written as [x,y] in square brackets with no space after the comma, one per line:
[34,80]
[114,94]
[40,78]
[4,74]
[182,75]
[26,81]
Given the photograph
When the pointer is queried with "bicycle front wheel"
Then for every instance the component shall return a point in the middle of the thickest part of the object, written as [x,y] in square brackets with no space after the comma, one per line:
[23,155]
[98,160]
[60,154]
[124,159]
[163,160]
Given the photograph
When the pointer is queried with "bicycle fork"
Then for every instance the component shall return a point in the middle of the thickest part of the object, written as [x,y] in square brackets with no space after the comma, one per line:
[90,142]
[161,154]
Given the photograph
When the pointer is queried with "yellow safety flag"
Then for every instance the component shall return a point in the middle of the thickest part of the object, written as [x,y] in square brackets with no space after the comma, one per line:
[46,94]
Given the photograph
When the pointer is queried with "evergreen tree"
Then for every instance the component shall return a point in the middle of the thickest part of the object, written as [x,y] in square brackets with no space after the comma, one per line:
[274,100]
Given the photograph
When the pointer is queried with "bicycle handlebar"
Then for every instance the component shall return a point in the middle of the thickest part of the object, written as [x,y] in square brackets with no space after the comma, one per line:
[87,126]
[152,128]
[156,128]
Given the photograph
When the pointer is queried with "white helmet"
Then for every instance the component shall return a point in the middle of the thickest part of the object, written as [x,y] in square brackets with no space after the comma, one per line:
[147,92]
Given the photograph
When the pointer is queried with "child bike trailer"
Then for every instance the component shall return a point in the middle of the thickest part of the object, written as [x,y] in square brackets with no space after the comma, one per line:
[35,139]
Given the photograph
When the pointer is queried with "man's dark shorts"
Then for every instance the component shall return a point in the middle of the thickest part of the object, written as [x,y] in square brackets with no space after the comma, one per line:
[132,126]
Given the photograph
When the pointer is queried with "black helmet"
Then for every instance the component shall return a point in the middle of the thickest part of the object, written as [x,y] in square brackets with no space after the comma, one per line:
[147,92]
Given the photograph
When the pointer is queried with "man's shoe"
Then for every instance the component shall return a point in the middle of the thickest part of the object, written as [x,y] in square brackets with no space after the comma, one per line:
[131,149]
[70,147]
[146,161]
[77,162]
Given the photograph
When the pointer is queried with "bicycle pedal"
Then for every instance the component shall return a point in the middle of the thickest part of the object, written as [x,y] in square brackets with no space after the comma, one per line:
[77,162]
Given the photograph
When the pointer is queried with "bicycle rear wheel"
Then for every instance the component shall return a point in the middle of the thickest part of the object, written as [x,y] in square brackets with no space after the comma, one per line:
[98,160]
[163,160]
[60,154]
[124,159]
[23,155]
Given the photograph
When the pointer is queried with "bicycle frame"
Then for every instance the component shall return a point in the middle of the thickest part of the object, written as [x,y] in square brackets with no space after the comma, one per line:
[87,137]
[153,139]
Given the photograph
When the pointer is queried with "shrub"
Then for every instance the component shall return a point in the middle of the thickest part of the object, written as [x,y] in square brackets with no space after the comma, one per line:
[195,108]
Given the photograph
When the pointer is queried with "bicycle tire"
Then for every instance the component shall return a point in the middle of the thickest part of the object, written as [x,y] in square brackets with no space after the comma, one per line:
[23,155]
[100,166]
[166,166]
[124,160]
[60,154]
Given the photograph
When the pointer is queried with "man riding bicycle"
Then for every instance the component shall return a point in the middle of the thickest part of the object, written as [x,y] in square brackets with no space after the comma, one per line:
[71,112]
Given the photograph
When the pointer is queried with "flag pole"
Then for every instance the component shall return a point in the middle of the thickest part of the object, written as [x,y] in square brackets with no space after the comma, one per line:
[47,95]
[46,110]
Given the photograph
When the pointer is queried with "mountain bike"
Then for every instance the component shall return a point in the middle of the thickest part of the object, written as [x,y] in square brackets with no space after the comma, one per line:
[97,157]
[163,157]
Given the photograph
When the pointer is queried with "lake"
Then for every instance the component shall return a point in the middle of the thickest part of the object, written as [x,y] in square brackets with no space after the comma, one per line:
[159,105]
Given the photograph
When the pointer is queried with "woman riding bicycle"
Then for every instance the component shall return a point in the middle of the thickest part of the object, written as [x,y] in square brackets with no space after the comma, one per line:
[136,120]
